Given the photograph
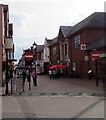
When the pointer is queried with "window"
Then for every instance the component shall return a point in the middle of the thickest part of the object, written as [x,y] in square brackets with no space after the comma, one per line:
[54,50]
[65,49]
[46,52]
[77,41]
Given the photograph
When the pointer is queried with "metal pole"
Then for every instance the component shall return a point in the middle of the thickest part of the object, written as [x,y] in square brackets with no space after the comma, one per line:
[6,72]
[29,75]
[35,74]
[35,66]
[13,51]
[11,86]
[103,82]
[96,72]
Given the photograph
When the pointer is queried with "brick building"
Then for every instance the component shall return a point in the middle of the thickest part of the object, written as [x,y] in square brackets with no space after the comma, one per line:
[63,44]
[54,52]
[84,33]
[46,52]
[6,40]
[99,44]
[40,59]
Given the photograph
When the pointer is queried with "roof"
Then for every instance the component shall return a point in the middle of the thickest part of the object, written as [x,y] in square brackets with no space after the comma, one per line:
[95,20]
[98,43]
[49,41]
[40,48]
[65,30]
[54,41]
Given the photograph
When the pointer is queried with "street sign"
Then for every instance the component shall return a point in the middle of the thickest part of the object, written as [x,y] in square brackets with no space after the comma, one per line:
[96,54]
[28,56]
[83,46]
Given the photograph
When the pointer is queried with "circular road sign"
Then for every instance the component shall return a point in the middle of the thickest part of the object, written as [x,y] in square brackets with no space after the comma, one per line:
[28,56]
[96,54]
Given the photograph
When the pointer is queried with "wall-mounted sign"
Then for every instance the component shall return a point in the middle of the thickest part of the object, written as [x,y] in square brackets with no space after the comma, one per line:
[9,43]
[83,46]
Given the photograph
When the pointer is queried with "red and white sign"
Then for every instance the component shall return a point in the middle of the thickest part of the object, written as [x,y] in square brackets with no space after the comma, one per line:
[83,46]
[28,56]
[96,54]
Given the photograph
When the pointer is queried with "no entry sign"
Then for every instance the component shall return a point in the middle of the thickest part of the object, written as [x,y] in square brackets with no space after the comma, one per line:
[28,56]
[96,54]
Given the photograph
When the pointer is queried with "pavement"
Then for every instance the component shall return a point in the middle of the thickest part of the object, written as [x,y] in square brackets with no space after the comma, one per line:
[56,98]
[52,107]
[64,86]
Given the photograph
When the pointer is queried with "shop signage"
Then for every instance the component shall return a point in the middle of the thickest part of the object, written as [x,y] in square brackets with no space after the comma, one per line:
[83,46]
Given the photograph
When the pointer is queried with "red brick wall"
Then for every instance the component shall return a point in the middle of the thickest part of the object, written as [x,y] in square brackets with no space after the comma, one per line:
[77,55]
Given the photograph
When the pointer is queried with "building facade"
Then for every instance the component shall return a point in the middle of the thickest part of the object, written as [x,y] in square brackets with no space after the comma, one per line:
[6,40]
[40,59]
[46,52]
[80,37]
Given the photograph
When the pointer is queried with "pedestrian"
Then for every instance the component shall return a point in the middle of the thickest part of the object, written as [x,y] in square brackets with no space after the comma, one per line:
[50,74]
[11,73]
[34,76]
[24,76]
[28,75]
[54,74]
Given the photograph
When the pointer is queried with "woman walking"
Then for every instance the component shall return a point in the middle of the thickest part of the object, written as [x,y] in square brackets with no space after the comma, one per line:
[34,76]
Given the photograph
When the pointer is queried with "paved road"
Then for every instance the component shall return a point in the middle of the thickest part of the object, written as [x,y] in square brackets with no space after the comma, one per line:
[64,85]
[52,107]
[58,98]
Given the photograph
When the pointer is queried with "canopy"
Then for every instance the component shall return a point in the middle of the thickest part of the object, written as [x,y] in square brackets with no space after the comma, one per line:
[58,66]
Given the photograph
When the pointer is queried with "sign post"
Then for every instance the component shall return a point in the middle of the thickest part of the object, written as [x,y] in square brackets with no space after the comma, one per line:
[96,55]
[29,58]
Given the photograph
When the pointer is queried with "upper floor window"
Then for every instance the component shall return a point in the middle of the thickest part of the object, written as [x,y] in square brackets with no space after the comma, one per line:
[65,48]
[77,41]
[54,50]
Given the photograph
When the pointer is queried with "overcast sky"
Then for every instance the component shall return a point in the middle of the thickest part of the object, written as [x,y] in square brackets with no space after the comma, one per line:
[34,20]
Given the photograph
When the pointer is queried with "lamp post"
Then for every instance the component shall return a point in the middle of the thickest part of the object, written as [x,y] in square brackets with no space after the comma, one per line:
[35,55]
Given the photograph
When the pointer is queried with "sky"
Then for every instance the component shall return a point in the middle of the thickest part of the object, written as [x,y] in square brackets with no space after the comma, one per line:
[35,20]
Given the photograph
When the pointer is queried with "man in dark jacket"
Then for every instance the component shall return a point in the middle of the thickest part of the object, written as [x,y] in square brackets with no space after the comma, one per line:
[24,76]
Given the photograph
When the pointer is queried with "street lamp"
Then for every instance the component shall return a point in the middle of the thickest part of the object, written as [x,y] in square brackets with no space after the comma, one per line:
[35,55]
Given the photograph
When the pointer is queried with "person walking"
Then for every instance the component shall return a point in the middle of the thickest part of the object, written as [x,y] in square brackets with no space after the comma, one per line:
[34,76]
[24,76]
[54,74]
[50,74]
[28,75]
